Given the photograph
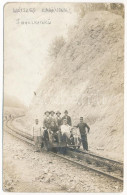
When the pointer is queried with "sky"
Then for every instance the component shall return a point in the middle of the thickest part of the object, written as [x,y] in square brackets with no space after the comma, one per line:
[26,45]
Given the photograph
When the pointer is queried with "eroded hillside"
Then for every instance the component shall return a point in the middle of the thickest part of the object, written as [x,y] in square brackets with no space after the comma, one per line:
[87,80]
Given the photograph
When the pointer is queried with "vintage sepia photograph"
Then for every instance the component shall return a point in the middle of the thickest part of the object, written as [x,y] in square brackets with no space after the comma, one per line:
[63,105]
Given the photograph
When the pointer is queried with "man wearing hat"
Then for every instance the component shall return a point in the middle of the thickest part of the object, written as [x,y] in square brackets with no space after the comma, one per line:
[58,119]
[82,128]
[46,121]
[52,117]
[68,118]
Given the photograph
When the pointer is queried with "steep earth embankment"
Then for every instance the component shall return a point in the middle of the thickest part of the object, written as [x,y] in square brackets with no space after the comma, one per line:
[12,101]
[87,80]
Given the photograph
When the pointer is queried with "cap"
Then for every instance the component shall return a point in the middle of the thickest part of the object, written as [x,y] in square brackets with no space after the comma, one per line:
[58,112]
[66,111]
[52,111]
[47,112]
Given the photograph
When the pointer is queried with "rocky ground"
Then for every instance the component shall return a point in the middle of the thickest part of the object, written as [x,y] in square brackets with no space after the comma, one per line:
[27,171]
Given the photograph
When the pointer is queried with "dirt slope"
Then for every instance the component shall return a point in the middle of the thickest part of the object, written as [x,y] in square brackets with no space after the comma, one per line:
[87,80]
[12,101]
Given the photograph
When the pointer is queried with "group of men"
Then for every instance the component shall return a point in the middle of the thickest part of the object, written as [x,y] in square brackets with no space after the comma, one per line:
[50,117]
[57,125]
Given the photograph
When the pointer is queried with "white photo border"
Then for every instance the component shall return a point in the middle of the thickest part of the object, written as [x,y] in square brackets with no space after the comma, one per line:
[2,4]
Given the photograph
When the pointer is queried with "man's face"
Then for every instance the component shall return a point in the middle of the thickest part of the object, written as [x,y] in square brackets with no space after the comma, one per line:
[47,114]
[81,120]
[52,113]
[58,114]
[65,122]
[66,113]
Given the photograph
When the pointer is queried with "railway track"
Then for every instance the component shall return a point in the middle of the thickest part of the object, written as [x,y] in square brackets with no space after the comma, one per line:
[85,160]
[104,166]
[19,134]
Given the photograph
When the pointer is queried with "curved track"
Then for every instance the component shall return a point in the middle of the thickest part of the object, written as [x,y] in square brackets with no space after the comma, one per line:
[101,165]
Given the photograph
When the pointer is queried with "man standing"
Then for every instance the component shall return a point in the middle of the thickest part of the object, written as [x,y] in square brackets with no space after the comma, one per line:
[37,136]
[82,128]
[52,117]
[58,119]
[46,122]
[68,118]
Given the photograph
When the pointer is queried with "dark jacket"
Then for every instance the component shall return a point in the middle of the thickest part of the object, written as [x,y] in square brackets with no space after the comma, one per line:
[54,129]
[82,128]
[46,122]
[59,121]
[68,120]
[53,119]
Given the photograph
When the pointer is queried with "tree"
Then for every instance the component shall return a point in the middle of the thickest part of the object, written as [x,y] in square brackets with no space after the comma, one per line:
[83,8]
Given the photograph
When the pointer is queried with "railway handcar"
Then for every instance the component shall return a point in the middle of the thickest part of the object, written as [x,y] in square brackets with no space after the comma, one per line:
[57,141]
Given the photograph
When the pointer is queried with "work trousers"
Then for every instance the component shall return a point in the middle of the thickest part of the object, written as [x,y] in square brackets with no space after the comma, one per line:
[38,142]
[84,141]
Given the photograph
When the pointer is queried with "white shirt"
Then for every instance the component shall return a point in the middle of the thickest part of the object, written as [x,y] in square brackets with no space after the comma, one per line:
[66,129]
[37,130]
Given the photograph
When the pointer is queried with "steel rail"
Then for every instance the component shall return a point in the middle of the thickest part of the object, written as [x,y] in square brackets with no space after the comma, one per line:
[95,155]
[19,135]
[88,167]
[22,133]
